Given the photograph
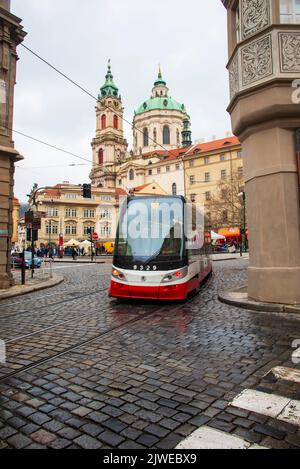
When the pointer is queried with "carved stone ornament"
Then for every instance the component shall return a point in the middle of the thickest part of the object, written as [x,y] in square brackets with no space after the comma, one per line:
[234,76]
[255,16]
[289,52]
[257,60]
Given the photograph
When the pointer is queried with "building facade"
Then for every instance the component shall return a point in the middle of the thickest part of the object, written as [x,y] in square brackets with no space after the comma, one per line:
[264,67]
[11,35]
[71,216]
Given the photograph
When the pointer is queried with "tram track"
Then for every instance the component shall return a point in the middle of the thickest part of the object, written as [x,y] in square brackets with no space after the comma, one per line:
[93,339]
[67,300]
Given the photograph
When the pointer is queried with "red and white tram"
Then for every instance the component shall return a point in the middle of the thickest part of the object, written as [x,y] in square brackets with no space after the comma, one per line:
[157,256]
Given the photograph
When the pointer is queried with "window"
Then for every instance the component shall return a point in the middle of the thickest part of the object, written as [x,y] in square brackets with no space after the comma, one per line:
[207,195]
[206,160]
[158,170]
[131,175]
[51,229]
[192,180]
[193,197]
[146,137]
[177,167]
[116,122]
[106,215]
[52,212]
[290,11]
[89,213]
[192,163]
[167,169]
[166,135]
[223,174]
[105,231]
[87,230]
[207,177]
[71,230]
[237,24]
[100,156]
[71,196]
[240,172]
[120,182]
[103,121]
[239,154]
[222,157]
[174,189]
[71,212]
[150,172]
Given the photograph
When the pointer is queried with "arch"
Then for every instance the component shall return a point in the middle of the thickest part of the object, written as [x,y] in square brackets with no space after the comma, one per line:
[146,137]
[116,122]
[100,156]
[174,188]
[131,175]
[103,121]
[166,135]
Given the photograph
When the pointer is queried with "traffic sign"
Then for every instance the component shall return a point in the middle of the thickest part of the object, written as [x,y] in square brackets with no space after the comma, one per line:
[95,236]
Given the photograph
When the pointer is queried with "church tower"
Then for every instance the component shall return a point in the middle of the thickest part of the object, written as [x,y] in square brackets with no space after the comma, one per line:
[186,132]
[109,145]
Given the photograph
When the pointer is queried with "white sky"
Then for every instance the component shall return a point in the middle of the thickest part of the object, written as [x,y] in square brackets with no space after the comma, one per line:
[188,39]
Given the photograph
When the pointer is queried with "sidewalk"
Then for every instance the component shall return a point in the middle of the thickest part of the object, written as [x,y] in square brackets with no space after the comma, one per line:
[239,297]
[227,256]
[40,281]
[81,260]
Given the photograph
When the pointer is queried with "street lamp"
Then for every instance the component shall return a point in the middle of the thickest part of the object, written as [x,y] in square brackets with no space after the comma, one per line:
[242,197]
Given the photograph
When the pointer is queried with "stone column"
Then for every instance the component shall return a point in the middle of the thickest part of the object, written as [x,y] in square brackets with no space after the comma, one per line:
[11,34]
[263,63]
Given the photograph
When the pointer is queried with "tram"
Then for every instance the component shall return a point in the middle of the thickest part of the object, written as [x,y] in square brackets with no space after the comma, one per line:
[160,251]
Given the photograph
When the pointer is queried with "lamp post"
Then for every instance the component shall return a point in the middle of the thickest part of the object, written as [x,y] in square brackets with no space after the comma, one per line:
[242,197]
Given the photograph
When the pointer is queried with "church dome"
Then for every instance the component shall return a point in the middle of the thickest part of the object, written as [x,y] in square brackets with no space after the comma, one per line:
[160,99]
[160,103]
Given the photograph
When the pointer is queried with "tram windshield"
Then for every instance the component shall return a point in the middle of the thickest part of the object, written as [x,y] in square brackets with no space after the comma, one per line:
[150,232]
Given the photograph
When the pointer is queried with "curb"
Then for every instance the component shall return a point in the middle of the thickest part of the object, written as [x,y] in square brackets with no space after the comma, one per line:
[226,297]
[33,288]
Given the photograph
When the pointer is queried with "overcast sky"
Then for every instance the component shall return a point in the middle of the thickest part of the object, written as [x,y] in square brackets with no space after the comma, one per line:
[188,39]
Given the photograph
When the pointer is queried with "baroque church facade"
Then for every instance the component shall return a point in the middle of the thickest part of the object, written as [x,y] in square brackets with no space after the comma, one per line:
[161,137]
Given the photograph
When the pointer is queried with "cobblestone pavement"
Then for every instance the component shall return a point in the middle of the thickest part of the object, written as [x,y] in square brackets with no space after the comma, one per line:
[84,371]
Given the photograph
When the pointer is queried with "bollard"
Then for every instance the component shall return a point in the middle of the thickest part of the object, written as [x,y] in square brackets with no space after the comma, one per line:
[51,272]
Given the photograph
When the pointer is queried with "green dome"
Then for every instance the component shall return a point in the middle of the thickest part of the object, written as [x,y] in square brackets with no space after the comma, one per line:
[160,103]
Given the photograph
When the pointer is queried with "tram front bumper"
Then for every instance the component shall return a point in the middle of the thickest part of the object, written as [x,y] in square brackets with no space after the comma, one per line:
[161,292]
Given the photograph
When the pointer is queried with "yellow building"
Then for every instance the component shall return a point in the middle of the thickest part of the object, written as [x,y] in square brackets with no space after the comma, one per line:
[71,216]
[209,164]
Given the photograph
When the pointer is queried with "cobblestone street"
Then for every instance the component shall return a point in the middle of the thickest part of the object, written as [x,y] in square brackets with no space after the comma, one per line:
[84,371]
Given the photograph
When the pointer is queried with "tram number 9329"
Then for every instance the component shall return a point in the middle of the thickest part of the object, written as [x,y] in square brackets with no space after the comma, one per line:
[145,268]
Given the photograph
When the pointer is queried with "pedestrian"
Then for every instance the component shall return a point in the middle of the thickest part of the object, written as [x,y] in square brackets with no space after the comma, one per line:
[74,254]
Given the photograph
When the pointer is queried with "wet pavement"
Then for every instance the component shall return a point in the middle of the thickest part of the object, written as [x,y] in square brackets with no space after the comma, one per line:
[84,371]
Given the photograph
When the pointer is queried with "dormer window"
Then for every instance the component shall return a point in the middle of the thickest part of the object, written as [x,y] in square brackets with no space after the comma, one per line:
[289,11]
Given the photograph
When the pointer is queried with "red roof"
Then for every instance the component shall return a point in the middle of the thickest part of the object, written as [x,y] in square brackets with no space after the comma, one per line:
[119,192]
[177,153]
[221,144]
[140,188]
[52,192]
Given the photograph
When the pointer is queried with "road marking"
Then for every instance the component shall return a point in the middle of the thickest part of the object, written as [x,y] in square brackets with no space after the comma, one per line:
[209,438]
[271,405]
[260,402]
[291,413]
[286,374]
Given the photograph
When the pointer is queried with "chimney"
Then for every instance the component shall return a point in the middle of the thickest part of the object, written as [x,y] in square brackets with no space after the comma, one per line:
[5,4]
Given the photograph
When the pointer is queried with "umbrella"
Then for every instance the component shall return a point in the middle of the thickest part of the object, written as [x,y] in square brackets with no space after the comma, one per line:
[215,236]
[72,243]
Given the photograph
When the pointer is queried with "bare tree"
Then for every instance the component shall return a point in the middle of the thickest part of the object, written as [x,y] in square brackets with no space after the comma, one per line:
[225,208]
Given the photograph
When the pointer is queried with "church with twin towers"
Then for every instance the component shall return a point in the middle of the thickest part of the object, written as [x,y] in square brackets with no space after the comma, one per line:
[161,135]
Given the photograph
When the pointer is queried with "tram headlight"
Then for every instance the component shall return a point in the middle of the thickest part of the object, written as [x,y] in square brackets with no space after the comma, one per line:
[117,274]
[175,275]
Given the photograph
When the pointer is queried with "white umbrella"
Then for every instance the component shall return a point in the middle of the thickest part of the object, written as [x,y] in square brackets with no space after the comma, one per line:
[215,236]
[85,244]
[72,243]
